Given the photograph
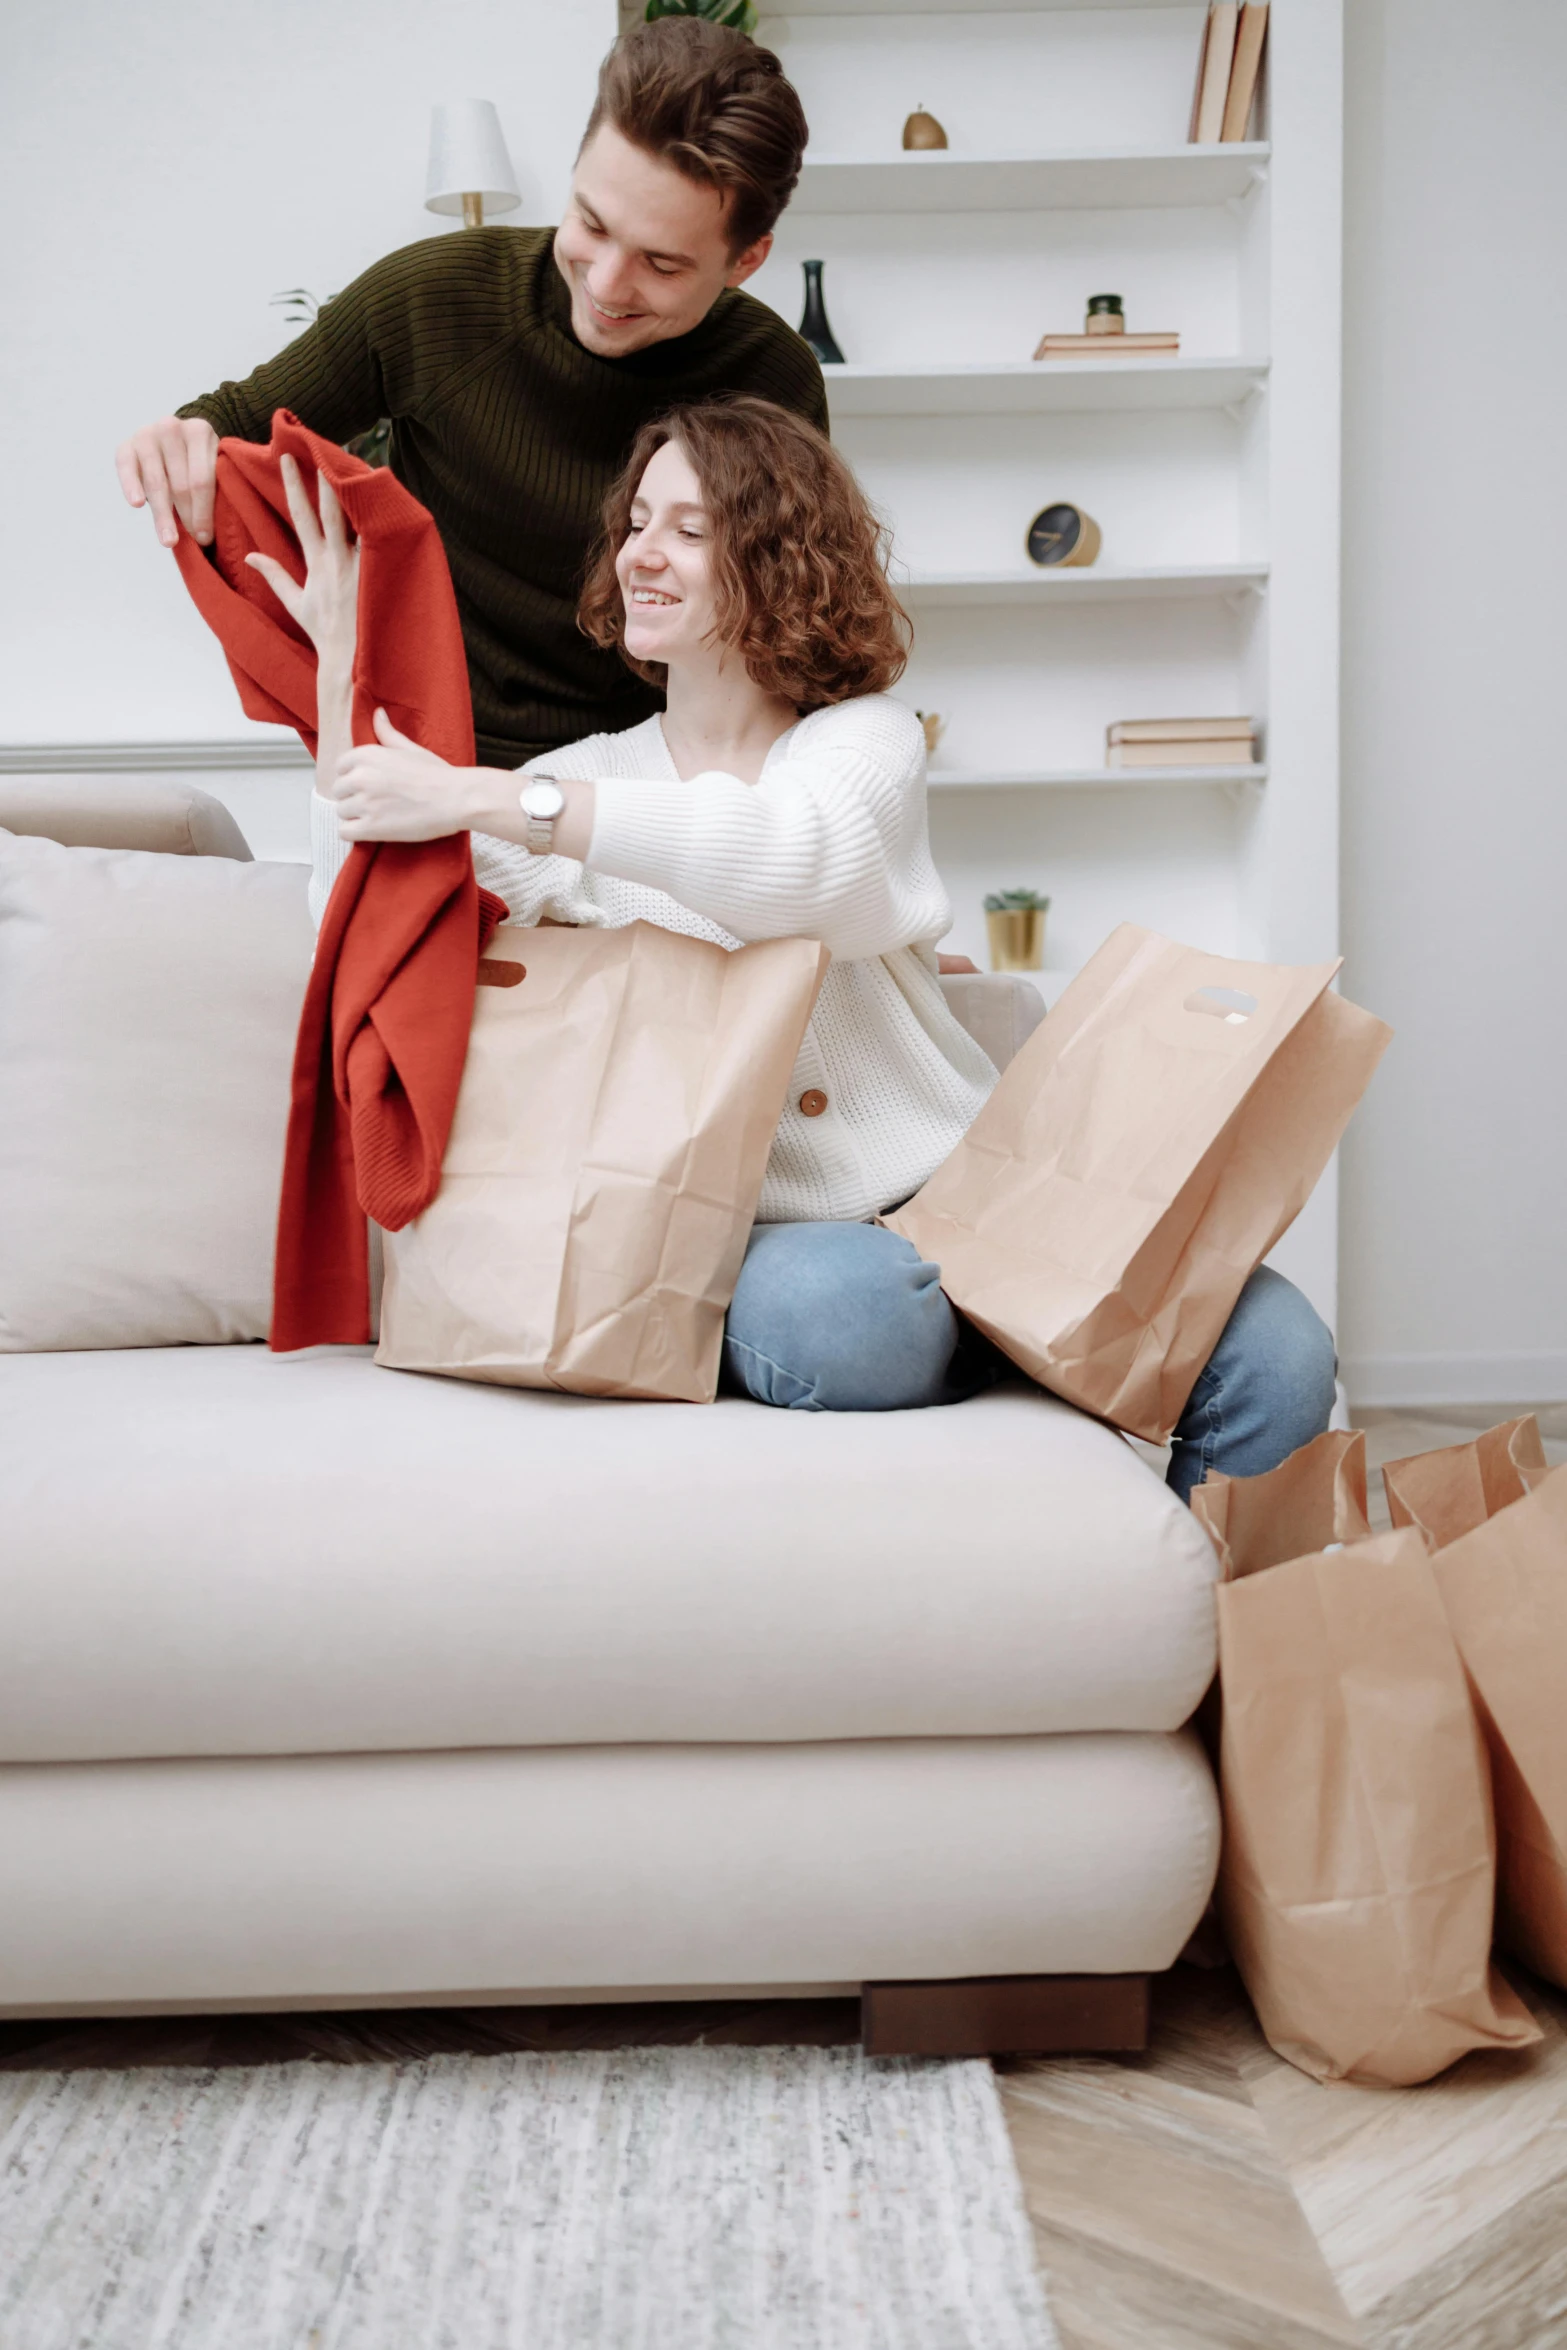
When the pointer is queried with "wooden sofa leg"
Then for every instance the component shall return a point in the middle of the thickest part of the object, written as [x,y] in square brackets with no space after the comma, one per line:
[996,2015]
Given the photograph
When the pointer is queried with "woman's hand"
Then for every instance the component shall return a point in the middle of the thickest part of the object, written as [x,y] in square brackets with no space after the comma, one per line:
[326,605]
[392,789]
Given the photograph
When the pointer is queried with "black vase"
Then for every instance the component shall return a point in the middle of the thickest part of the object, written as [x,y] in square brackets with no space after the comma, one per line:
[813,326]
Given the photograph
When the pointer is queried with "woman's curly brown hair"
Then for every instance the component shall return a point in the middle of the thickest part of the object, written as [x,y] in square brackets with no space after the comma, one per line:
[799,559]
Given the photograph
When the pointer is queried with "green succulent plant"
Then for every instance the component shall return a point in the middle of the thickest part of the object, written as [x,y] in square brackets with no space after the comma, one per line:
[1016,901]
[739,14]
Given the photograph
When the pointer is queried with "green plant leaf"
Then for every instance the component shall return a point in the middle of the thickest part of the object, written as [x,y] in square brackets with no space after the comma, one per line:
[740,15]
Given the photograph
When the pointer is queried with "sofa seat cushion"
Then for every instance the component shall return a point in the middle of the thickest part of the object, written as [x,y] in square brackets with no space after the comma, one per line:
[226,1552]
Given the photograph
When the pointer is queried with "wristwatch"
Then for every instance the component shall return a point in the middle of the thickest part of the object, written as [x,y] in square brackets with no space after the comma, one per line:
[542,801]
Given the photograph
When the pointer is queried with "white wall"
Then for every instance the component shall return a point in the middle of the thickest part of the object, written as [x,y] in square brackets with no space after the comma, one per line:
[1454,1272]
[164,169]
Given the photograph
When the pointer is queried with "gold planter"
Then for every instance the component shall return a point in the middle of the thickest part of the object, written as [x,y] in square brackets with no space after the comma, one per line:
[1017,938]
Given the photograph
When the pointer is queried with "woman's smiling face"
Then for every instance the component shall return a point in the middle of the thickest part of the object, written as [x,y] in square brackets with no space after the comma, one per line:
[663,567]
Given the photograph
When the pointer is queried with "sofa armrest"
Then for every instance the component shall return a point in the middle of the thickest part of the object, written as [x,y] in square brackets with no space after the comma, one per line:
[999,1010]
[121,812]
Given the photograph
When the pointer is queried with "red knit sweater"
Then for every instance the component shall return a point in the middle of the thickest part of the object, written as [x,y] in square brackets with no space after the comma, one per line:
[384,1029]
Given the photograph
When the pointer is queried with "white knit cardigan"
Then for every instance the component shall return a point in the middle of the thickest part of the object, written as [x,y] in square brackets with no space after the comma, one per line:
[830,843]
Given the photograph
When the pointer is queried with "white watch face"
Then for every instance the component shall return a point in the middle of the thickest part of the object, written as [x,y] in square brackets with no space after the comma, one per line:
[543,799]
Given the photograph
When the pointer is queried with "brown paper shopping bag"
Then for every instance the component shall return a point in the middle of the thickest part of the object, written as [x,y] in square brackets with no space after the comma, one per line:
[1311,1501]
[1447,1493]
[1358,1864]
[1497,1519]
[618,1103]
[1137,1161]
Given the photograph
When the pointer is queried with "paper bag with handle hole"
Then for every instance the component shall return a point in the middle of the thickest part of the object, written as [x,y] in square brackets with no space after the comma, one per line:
[1357,1871]
[618,1104]
[1495,1518]
[1137,1161]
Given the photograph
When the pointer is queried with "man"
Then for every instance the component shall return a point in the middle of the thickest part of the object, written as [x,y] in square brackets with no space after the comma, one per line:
[517,366]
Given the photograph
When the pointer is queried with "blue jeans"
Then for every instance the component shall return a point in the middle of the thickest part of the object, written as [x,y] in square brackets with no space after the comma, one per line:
[848,1318]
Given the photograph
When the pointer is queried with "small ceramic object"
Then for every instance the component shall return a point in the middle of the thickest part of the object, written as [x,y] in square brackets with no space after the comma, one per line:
[813,325]
[922,131]
[1105,315]
[1062,537]
[934,725]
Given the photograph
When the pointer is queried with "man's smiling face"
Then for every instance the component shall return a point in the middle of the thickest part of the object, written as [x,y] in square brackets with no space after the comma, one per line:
[644,250]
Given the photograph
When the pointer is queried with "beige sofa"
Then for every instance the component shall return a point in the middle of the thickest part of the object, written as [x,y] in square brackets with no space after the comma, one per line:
[323,1684]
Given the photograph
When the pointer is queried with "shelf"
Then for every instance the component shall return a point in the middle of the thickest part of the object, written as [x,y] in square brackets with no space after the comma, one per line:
[1146,180]
[1033,387]
[934,589]
[1089,778]
[948,7]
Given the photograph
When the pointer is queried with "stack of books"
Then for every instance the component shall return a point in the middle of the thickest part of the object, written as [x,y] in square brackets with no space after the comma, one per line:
[1104,346]
[1181,742]
[1227,70]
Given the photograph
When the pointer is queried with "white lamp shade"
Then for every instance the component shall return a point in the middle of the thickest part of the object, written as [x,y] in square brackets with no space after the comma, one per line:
[468,158]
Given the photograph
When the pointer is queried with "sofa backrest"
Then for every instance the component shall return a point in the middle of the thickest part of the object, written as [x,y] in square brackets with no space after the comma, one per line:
[999,1010]
[121,812]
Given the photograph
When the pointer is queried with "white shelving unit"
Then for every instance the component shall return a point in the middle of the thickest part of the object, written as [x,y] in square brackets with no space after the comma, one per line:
[1103,584]
[839,8]
[1024,387]
[1118,180]
[1213,475]
[1095,778]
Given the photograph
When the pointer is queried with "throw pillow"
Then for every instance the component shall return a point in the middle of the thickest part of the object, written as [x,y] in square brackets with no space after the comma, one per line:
[147,1013]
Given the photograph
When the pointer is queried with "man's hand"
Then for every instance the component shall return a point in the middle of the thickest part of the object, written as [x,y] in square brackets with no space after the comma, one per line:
[172,466]
[393,789]
[947,964]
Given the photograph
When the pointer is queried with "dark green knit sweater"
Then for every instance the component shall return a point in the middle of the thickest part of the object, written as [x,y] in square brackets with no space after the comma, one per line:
[510,433]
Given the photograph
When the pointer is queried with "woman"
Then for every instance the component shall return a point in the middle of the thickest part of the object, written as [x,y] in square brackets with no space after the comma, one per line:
[781,794]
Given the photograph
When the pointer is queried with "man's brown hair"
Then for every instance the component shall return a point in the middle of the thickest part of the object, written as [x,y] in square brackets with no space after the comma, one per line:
[799,558]
[711,103]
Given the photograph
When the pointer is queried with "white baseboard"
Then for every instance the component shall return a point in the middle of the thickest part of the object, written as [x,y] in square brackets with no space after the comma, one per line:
[1380,1381]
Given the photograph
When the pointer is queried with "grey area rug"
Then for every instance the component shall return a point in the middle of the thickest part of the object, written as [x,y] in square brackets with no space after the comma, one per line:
[645,2199]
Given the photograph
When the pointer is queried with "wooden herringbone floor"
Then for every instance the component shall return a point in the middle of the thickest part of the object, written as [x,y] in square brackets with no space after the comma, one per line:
[1207,2196]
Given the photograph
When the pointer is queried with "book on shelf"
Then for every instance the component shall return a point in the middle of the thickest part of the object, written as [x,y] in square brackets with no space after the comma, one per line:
[1213,72]
[1250,35]
[1229,65]
[1180,730]
[1180,742]
[1106,346]
[1226,752]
